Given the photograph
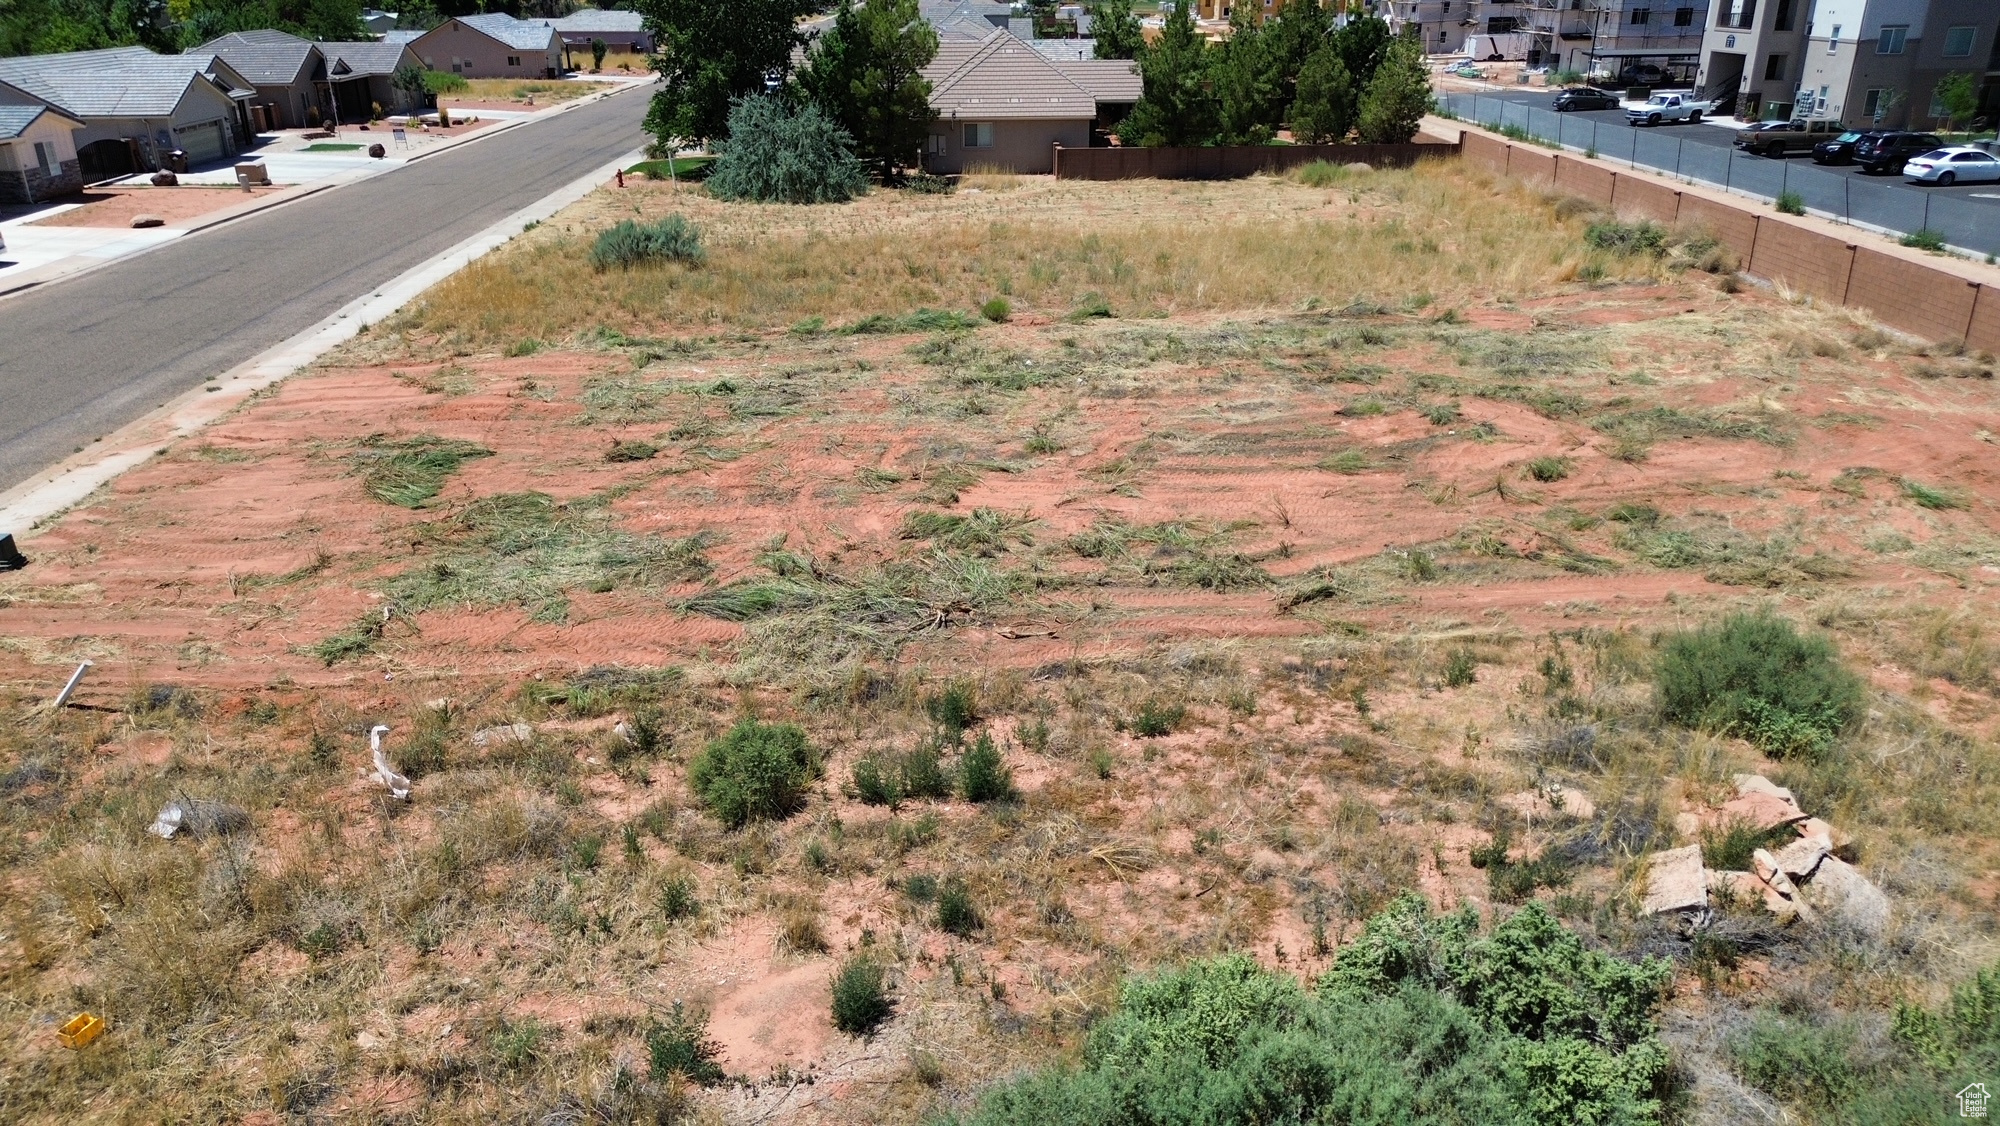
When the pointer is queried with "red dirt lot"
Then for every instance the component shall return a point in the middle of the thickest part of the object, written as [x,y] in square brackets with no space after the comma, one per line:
[116,207]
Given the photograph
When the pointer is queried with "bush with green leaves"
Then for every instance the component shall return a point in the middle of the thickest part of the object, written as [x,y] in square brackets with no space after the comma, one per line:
[860,1000]
[783,153]
[983,775]
[627,243]
[1423,1019]
[678,1044]
[889,778]
[1757,676]
[755,772]
[956,912]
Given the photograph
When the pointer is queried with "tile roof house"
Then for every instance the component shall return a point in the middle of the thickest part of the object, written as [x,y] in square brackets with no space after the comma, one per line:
[361,77]
[136,107]
[617,29]
[492,45]
[37,150]
[1000,103]
[287,71]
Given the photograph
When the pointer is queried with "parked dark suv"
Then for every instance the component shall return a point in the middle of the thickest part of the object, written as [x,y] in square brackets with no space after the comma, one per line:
[1888,152]
[1840,150]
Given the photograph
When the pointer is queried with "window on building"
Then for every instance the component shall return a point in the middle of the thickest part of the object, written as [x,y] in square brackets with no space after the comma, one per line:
[1892,38]
[1739,14]
[1440,35]
[1642,15]
[1774,68]
[1782,21]
[45,156]
[935,144]
[1833,41]
[513,60]
[979,135]
[1958,41]
[1871,105]
[1683,17]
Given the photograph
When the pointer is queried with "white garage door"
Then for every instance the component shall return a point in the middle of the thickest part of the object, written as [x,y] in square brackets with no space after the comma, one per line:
[201,142]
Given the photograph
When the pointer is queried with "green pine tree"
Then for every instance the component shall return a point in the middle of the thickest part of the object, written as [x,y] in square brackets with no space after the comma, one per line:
[1115,29]
[1398,96]
[1176,106]
[711,54]
[1248,82]
[866,74]
[1323,111]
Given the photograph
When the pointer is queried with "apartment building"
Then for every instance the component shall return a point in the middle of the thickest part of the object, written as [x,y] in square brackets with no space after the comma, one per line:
[1862,62]
[1656,42]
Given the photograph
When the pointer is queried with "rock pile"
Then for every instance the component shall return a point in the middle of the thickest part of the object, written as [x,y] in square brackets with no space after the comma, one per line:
[1805,879]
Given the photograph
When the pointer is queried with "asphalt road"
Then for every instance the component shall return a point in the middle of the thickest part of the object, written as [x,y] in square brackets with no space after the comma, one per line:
[86,355]
[1969,214]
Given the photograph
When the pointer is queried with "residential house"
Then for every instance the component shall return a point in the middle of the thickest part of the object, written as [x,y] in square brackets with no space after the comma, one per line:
[37,149]
[492,46]
[137,107]
[378,22]
[1000,103]
[404,35]
[1862,62]
[287,71]
[623,31]
[360,78]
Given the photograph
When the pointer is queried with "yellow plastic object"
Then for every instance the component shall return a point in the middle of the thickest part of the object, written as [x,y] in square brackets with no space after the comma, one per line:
[81,1029]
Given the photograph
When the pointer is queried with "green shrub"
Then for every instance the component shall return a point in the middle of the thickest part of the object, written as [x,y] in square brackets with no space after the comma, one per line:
[1756,676]
[982,774]
[516,1044]
[923,183]
[1421,1020]
[997,310]
[1791,203]
[628,243]
[954,709]
[1157,716]
[888,778]
[1548,470]
[956,913]
[679,1045]
[1320,174]
[1460,668]
[1627,238]
[1730,848]
[778,153]
[444,82]
[755,772]
[859,1000]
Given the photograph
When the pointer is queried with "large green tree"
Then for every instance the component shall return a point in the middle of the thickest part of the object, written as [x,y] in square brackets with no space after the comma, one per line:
[1363,43]
[1323,107]
[1398,96]
[1248,81]
[36,27]
[1176,107]
[866,74]
[1115,29]
[203,20]
[710,53]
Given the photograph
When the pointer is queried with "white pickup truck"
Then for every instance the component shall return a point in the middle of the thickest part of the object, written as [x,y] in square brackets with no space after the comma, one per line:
[1662,108]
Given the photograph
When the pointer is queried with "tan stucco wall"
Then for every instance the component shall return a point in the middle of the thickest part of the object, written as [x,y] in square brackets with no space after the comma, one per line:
[1018,146]
[48,130]
[480,55]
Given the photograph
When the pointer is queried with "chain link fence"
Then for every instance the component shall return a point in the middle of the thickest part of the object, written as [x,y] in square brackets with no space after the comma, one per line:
[1886,203]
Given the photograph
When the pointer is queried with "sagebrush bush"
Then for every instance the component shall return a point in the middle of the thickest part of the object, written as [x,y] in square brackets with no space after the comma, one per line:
[1756,676]
[779,153]
[860,1001]
[982,773]
[1627,238]
[754,772]
[628,243]
[1421,1020]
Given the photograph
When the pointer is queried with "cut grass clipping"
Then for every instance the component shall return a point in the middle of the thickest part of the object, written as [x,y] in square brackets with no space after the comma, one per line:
[410,472]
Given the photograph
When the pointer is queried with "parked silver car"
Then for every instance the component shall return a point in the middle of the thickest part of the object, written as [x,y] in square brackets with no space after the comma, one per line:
[1949,165]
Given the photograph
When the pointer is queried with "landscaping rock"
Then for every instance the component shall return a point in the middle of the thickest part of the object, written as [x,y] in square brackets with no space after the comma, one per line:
[1802,857]
[1840,844]
[520,733]
[1758,784]
[1676,881]
[148,221]
[165,178]
[1771,872]
[1762,810]
[1840,891]
[1359,166]
[377,151]
[1746,889]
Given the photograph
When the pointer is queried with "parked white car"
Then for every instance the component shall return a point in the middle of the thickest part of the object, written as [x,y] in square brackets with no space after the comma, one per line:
[1662,108]
[1949,165]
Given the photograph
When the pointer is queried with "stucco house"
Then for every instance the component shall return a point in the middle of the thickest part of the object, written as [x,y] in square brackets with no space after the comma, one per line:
[361,76]
[999,103]
[492,46]
[37,149]
[285,69]
[136,107]
[619,30]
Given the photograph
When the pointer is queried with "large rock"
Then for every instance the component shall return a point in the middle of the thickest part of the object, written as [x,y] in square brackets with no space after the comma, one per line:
[139,221]
[1771,872]
[1802,857]
[1744,888]
[1758,784]
[1839,890]
[1762,811]
[1675,881]
[511,733]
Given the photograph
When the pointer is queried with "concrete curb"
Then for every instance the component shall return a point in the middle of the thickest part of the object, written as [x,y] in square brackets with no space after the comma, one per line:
[52,273]
[31,505]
